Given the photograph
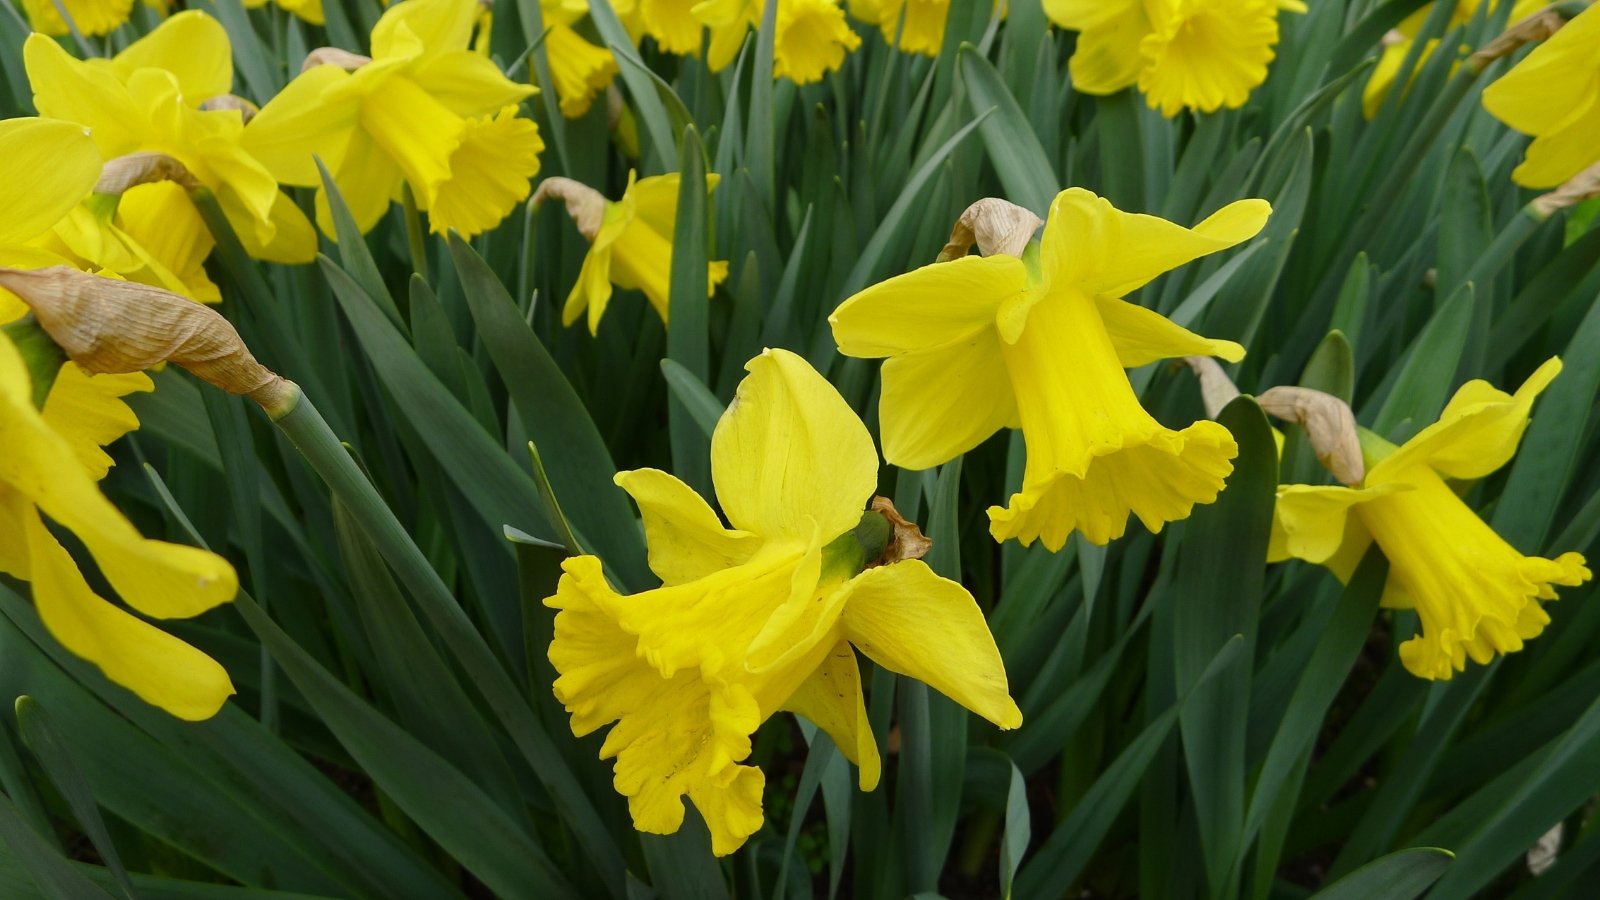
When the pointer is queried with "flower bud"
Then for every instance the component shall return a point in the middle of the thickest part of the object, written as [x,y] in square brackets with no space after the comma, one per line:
[995,225]
[1327,421]
[108,326]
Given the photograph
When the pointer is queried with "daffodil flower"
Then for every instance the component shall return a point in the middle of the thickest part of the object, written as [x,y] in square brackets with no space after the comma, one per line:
[1202,55]
[810,39]
[919,24]
[983,343]
[764,616]
[151,234]
[1554,95]
[49,468]
[1475,594]
[306,10]
[150,97]
[425,110]
[631,247]
[93,18]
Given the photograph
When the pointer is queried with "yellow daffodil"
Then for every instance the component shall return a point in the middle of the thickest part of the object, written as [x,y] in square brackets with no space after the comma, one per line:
[151,234]
[46,169]
[92,17]
[1475,594]
[810,40]
[49,468]
[632,249]
[424,110]
[1398,44]
[1554,95]
[308,10]
[1202,55]
[922,28]
[983,343]
[672,24]
[580,69]
[149,98]
[764,616]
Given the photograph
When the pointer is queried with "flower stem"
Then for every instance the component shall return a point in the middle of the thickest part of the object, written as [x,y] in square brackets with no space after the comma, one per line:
[415,239]
[309,432]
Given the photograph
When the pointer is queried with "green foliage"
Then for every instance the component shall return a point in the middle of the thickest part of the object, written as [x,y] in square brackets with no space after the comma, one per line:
[1197,723]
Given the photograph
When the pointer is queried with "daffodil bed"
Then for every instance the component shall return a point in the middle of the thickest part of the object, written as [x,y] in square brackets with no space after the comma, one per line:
[799,448]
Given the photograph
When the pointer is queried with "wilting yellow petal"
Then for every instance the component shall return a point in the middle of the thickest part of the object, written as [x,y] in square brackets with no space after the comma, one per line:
[46,169]
[789,457]
[831,698]
[911,621]
[686,540]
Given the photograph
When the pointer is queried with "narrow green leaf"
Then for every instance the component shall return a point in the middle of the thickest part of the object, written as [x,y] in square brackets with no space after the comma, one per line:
[695,397]
[1399,876]
[53,875]
[688,338]
[1025,171]
[1418,390]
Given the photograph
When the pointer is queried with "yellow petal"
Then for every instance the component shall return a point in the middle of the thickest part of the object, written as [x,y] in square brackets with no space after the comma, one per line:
[1556,157]
[921,30]
[911,621]
[468,84]
[418,132]
[303,122]
[46,169]
[93,17]
[941,403]
[193,47]
[591,293]
[162,220]
[669,729]
[789,458]
[686,539]
[672,24]
[1550,87]
[1144,336]
[580,69]
[1310,521]
[88,412]
[162,670]
[1477,433]
[831,699]
[1107,57]
[367,179]
[940,305]
[69,89]
[491,172]
[424,28]
[1111,253]
[812,39]
[1205,55]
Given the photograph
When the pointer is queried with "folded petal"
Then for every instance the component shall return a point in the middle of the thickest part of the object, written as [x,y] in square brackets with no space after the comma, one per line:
[46,169]
[911,621]
[1477,433]
[789,457]
[832,700]
[1144,336]
[928,308]
[1107,252]
[686,539]
[1309,522]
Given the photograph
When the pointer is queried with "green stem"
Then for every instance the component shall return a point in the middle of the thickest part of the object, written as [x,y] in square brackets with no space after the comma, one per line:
[310,434]
[415,239]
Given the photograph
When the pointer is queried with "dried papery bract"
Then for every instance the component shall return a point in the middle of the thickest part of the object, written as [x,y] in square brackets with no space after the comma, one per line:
[333,56]
[108,326]
[906,540]
[1216,388]
[585,205]
[1584,186]
[245,108]
[1327,421]
[995,225]
[134,169]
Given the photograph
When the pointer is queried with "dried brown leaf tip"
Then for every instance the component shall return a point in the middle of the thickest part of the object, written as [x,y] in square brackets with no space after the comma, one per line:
[995,226]
[109,326]
[906,540]
[1584,186]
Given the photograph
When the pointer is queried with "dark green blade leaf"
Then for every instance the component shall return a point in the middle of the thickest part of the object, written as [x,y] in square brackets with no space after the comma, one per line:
[1399,876]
